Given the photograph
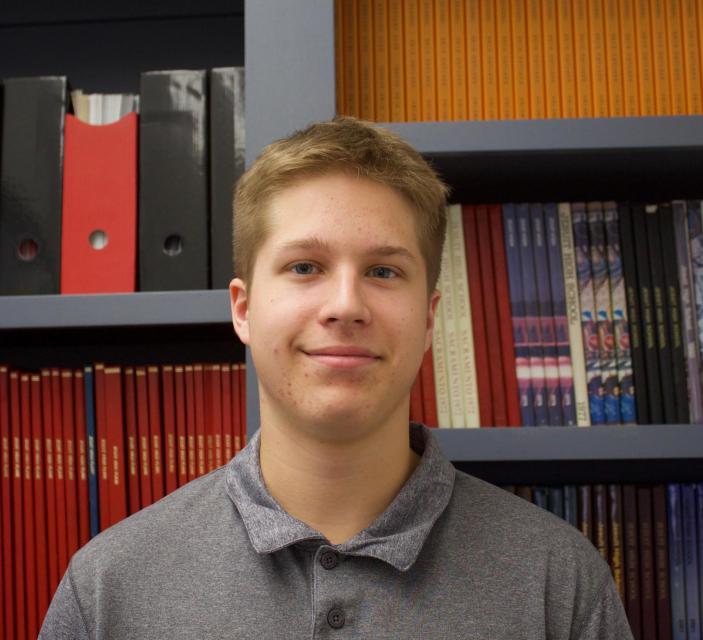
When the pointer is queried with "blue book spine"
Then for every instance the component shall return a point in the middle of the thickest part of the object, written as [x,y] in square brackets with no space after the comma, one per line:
[699,520]
[546,316]
[589,325]
[690,559]
[571,505]
[540,497]
[92,452]
[677,586]
[517,309]
[555,500]
[534,334]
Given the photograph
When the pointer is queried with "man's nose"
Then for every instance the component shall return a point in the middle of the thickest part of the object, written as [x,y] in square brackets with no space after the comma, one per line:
[345,299]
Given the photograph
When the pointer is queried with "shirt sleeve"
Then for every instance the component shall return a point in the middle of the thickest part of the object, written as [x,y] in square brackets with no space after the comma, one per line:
[64,620]
[606,617]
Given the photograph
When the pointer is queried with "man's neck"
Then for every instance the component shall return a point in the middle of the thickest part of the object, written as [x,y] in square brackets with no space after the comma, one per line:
[337,488]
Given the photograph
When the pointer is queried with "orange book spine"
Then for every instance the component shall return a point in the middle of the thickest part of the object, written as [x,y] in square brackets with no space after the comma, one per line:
[242,371]
[181,433]
[50,481]
[81,459]
[582,56]
[628,53]
[700,38]
[645,64]
[443,60]
[550,47]
[41,542]
[189,377]
[567,62]
[677,68]
[226,395]
[506,83]
[692,57]
[521,70]
[411,29]
[144,437]
[6,580]
[535,59]
[338,57]
[428,83]
[156,429]
[30,560]
[117,494]
[69,458]
[200,439]
[19,584]
[350,40]
[382,104]
[611,14]
[132,433]
[365,62]
[396,61]
[169,405]
[59,467]
[458,59]
[599,66]
[660,56]
[491,110]
[474,75]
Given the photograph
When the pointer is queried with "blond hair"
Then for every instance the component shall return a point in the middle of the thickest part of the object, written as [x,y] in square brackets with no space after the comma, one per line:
[348,145]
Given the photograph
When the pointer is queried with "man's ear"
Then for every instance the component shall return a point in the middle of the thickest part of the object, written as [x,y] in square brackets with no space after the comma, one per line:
[431,315]
[239,304]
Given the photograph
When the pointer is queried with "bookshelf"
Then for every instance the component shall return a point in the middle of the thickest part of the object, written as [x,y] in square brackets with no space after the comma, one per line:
[292,83]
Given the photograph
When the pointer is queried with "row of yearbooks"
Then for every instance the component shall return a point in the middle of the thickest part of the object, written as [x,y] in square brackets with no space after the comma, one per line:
[82,449]
[579,313]
[143,203]
[652,538]
[517,59]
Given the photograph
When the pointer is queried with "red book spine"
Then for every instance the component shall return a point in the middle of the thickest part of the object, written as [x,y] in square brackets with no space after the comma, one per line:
[81,458]
[69,460]
[200,436]
[169,428]
[208,383]
[40,542]
[189,376]
[236,411]
[130,409]
[505,317]
[7,468]
[216,404]
[60,469]
[490,308]
[17,502]
[144,437]
[117,492]
[649,605]
[30,564]
[99,192]
[101,437]
[181,436]
[50,481]
[243,404]
[429,399]
[416,412]
[157,463]
[226,393]
[473,268]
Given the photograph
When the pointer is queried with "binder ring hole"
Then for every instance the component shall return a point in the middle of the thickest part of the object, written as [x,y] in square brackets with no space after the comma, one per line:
[98,239]
[173,245]
[27,250]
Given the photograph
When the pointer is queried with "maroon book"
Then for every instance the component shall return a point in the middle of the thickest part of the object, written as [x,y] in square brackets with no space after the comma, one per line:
[130,417]
[649,605]
[661,563]
[633,601]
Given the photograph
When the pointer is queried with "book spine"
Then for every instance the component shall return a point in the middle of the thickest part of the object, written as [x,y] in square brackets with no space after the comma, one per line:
[6,504]
[39,515]
[60,468]
[535,60]
[117,492]
[169,412]
[200,434]
[661,562]
[571,505]
[350,52]
[621,327]
[692,61]
[411,27]
[181,431]
[215,417]
[633,604]
[382,108]
[19,583]
[588,313]
[613,58]
[649,604]
[676,561]
[567,67]
[92,449]
[50,475]
[155,432]
[600,520]
[690,560]
[573,314]
[660,63]
[555,501]
[677,74]
[517,305]
[550,48]
[365,61]
[236,408]
[586,511]
[460,110]
[582,56]
[615,523]
[69,458]
[132,439]
[396,62]
[28,498]
[429,399]
[699,518]
[340,62]
[242,370]
[479,326]
[428,82]
[189,376]
[504,60]
[144,432]
[599,65]
[645,69]
[474,88]
[688,313]
[81,459]
[226,395]
[521,67]
[628,52]
[545,314]
[491,109]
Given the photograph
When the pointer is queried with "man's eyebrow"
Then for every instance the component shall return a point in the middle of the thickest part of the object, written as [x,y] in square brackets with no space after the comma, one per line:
[318,244]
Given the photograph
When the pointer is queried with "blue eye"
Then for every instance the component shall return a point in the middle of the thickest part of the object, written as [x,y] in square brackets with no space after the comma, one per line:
[383,272]
[304,268]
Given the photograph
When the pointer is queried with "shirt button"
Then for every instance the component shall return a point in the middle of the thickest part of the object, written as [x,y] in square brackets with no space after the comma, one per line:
[335,618]
[328,559]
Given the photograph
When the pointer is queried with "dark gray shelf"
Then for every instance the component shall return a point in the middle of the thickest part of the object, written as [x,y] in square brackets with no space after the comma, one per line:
[141,309]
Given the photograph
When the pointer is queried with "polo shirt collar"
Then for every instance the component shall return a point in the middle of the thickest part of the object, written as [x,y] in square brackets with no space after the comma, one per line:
[396,536]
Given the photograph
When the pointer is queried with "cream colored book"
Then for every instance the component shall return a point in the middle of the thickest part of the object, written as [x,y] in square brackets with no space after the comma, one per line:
[573,314]
[439,363]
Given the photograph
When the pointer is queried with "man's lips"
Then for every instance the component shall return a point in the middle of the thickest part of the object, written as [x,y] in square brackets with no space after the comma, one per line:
[342,357]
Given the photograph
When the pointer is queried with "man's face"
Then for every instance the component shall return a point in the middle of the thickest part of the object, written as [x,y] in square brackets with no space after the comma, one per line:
[337,315]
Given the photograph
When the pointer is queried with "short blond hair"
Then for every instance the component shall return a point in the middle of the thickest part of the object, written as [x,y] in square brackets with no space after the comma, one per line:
[347,145]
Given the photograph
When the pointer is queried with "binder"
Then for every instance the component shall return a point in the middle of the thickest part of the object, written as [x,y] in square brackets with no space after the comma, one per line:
[99,231]
[173,181]
[30,184]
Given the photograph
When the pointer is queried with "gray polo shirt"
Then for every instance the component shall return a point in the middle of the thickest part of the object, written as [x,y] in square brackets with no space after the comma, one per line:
[451,557]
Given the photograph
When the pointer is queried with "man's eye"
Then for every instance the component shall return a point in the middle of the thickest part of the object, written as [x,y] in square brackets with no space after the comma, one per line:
[303,268]
[383,272]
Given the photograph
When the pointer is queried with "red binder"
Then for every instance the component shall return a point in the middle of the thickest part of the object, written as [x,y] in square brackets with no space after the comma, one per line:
[99,195]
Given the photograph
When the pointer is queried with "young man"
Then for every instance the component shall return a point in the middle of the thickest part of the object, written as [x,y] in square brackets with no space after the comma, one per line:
[339,519]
